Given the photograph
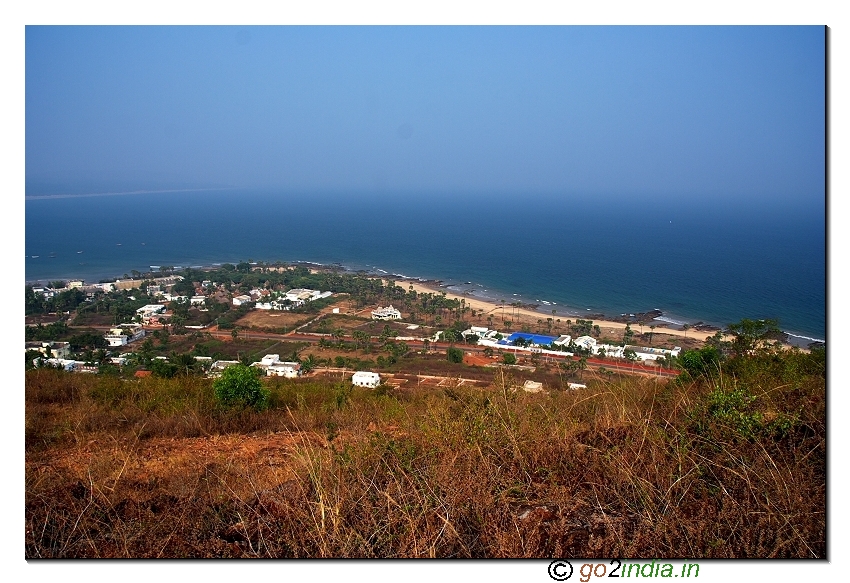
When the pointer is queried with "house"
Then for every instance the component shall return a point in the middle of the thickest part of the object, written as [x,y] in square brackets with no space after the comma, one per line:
[388,313]
[288,370]
[297,294]
[197,300]
[366,379]
[219,365]
[63,363]
[242,299]
[57,349]
[563,340]
[124,333]
[140,374]
[150,309]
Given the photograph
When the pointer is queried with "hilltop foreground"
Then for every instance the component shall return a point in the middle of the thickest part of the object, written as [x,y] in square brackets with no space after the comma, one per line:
[726,463]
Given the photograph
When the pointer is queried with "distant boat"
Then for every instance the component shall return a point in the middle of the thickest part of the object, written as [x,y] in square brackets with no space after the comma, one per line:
[468,283]
[79,251]
[118,244]
[144,243]
[35,256]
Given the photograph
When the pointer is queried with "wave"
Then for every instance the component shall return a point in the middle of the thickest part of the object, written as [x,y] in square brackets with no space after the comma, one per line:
[805,337]
[669,320]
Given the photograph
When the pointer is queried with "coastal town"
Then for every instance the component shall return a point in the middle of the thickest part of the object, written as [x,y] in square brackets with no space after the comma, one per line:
[206,320]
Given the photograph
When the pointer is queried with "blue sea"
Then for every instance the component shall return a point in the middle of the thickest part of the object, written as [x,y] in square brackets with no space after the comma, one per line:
[715,262]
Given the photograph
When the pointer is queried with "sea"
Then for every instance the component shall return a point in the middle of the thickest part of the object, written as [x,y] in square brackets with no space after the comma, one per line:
[710,261]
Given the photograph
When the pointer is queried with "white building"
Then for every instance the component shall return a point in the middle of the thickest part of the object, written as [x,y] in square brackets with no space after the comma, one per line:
[151,309]
[243,299]
[388,313]
[644,353]
[57,349]
[366,379]
[563,340]
[219,365]
[299,294]
[67,365]
[197,300]
[124,333]
[288,370]
[586,342]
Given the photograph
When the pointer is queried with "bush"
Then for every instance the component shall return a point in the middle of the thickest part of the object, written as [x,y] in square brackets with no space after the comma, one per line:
[454,355]
[239,386]
[509,358]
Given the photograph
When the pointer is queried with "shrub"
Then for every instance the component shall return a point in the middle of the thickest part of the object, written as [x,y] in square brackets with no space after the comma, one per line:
[509,358]
[239,386]
[454,355]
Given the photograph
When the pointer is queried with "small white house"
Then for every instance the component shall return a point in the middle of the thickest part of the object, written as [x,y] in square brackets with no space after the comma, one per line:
[197,300]
[388,313]
[288,370]
[366,379]
[243,299]
[270,359]
[150,309]
[563,340]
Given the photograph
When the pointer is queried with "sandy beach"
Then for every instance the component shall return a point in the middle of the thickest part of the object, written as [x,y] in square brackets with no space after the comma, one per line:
[532,315]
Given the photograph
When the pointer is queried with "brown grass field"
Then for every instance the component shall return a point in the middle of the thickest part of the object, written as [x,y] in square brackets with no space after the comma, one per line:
[727,467]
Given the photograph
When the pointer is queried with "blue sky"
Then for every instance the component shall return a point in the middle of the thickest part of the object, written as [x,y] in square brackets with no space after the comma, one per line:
[580,111]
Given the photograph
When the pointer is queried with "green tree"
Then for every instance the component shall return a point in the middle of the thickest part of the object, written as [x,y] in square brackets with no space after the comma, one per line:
[628,334]
[751,335]
[240,386]
[509,358]
[454,355]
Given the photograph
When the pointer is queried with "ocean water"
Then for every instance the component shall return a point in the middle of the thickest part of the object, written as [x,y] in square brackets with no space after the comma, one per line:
[710,262]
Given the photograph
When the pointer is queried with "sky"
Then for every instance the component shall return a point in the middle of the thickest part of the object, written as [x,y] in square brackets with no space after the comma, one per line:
[702,111]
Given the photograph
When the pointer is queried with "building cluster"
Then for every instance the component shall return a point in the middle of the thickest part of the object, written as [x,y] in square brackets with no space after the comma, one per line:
[264,299]
[388,313]
[274,367]
[545,345]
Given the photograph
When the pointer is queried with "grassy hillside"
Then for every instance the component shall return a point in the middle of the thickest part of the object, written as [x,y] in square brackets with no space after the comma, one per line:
[728,464]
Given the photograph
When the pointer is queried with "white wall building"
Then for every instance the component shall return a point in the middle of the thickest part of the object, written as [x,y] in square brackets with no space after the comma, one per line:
[239,300]
[388,313]
[288,370]
[150,309]
[366,379]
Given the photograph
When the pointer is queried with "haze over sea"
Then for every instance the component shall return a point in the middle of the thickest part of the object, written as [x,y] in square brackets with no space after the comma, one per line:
[715,263]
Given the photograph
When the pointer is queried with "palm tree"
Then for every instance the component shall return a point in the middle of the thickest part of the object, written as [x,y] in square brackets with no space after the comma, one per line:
[651,331]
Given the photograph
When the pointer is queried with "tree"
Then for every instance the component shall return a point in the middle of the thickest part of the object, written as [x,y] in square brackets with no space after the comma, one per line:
[509,358]
[454,355]
[753,334]
[628,334]
[651,332]
[630,354]
[239,386]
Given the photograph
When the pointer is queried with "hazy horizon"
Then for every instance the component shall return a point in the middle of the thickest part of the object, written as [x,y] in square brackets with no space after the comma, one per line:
[701,112]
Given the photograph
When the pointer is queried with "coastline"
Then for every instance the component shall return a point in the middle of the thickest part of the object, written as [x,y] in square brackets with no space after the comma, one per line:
[496,308]
[493,305]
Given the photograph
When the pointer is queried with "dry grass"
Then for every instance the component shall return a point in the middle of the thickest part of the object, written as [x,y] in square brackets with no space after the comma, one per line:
[629,468]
